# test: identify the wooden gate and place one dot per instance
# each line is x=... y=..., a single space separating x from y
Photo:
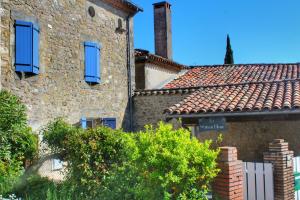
x=258 y=181
x=297 y=177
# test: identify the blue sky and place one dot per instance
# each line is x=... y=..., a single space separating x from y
x=261 y=31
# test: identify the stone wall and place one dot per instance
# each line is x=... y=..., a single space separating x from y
x=60 y=88
x=250 y=137
x=253 y=137
x=150 y=109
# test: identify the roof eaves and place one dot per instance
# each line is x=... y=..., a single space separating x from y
x=132 y=4
x=235 y=114
x=240 y=65
x=144 y=56
x=165 y=91
x=125 y=5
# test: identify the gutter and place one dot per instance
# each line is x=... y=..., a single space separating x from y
x=271 y=113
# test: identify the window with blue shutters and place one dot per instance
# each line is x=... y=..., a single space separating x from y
x=110 y=122
x=27 y=47
x=92 y=62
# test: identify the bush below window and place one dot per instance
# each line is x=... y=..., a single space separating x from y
x=159 y=163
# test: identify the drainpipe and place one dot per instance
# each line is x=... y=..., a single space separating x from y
x=130 y=92
x=130 y=100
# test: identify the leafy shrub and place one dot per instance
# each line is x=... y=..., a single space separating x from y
x=17 y=143
x=90 y=153
x=35 y=187
x=160 y=163
x=168 y=164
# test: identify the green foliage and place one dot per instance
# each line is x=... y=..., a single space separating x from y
x=168 y=164
x=160 y=163
x=90 y=153
x=17 y=143
x=35 y=187
x=57 y=134
x=229 y=53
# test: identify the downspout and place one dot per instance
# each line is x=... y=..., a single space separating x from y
x=130 y=100
x=130 y=92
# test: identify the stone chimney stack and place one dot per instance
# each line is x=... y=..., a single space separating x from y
x=163 y=29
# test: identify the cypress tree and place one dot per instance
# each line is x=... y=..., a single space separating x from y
x=229 y=53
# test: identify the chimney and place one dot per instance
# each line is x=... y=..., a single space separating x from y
x=163 y=29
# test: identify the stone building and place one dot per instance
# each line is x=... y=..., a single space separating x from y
x=250 y=104
x=71 y=59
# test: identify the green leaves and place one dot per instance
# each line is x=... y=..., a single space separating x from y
x=159 y=163
x=174 y=162
x=17 y=143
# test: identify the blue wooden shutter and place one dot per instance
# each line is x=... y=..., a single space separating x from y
x=83 y=122
x=110 y=122
x=36 y=50
x=27 y=47
x=92 y=62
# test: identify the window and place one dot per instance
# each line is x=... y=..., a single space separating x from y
x=110 y=122
x=93 y=123
x=57 y=164
x=90 y=123
x=27 y=47
x=92 y=62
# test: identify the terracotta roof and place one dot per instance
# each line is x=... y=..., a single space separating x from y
x=239 y=89
x=241 y=98
x=235 y=74
x=142 y=56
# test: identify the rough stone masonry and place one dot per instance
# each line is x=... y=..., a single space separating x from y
x=60 y=90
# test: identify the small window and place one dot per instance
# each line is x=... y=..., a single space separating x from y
x=26 y=47
x=92 y=62
x=95 y=122
x=57 y=164
x=110 y=122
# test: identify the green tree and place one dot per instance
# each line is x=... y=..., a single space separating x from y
x=229 y=53
x=17 y=143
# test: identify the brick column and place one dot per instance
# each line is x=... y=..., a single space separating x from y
x=282 y=160
x=228 y=185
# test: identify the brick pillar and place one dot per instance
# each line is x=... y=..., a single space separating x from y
x=282 y=160
x=228 y=185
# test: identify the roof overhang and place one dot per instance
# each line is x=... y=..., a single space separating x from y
x=238 y=114
x=143 y=56
x=125 y=5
